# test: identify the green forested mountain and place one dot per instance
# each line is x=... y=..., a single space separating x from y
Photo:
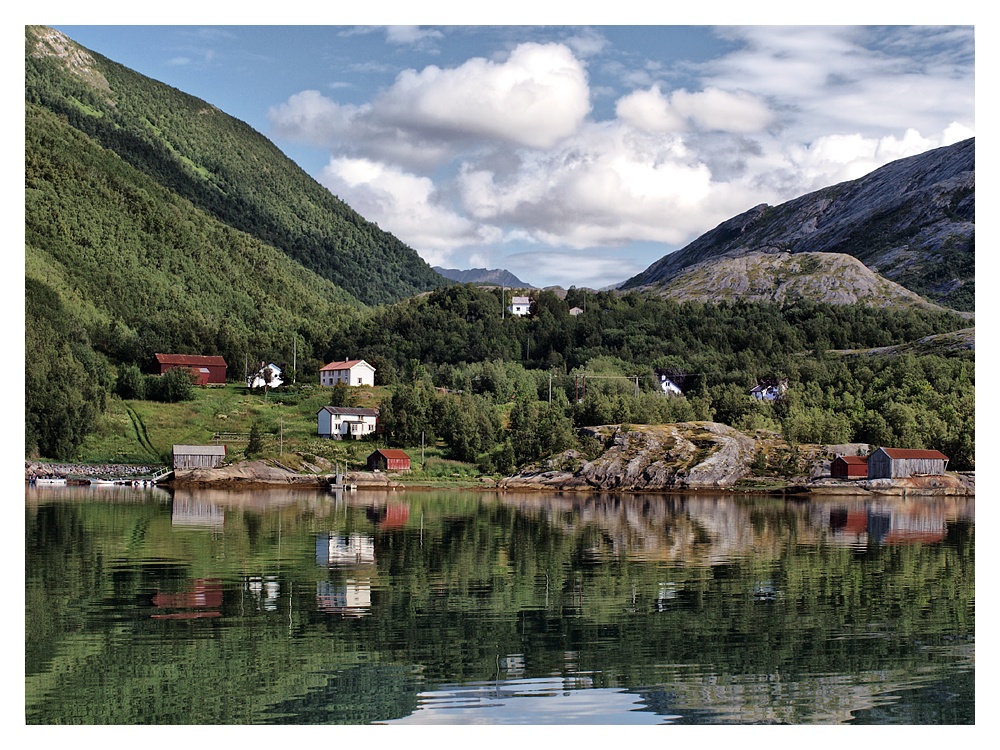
x=220 y=165
x=155 y=222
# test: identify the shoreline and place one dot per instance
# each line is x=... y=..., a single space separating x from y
x=261 y=475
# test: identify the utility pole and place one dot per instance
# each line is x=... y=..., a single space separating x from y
x=550 y=389
x=281 y=437
x=295 y=340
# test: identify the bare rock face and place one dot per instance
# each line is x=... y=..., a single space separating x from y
x=688 y=455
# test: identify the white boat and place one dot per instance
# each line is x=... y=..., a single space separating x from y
x=50 y=480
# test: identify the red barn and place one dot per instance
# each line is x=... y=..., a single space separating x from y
x=389 y=459
x=849 y=467
x=206 y=369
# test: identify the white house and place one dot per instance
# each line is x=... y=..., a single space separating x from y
x=769 y=391
x=520 y=305
x=353 y=372
x=669 y=387
x=268 y=375
x=338 y=422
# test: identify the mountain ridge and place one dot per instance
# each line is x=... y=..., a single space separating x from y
x=912 y=221
x=493 y=276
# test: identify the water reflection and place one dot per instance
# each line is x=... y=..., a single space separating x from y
x=300 y=606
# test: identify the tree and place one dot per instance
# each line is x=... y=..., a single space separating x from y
x=255 y=446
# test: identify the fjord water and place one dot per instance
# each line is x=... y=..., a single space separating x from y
x=145 y=606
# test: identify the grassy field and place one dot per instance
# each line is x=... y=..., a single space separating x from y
x=140 y=432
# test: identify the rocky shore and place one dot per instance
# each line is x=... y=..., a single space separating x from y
x=682 y=457
x=89 y=471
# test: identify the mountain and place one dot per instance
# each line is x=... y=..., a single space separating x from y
x=156 y=223
x=493 y=277
x=911 y=221
x=220 y=165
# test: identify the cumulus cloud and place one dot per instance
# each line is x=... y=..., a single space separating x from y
x=406 y=205
x=711 y=109
x=534 y=98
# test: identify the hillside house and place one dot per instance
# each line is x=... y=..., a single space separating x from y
x=849 y=467
x=520 y=306
x=338 y=422
x=206 y=369
x=769 y=391
x=389 y=459
x=352 y=372
x=269 y=375
x=898 y=463
x=669 y=387
x=574 y=311
x=198 y=456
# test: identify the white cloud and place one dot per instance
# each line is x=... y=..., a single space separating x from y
x=411 y=35
x=711 y=109
x=406 y=205
x=534 y=98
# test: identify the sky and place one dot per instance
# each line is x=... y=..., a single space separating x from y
x=571 y=155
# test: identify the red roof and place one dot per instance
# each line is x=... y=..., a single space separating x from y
x=190 y=360
x=393 y=453
x=347 y=364
x=913 y=453
x=856 y=460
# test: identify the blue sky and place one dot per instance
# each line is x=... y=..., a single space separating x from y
x=570 y=155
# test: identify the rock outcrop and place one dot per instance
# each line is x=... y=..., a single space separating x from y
x=688 y=455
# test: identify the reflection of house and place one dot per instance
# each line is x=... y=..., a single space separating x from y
x=332 y=549
x=203 y=600
x=352 y=372
x=339 y=421
x=893 y=463
x=849 y=467
x=196 y=514
x=268 y=375
x=389 y=459
x=206 y=369
x=520 y=305
x=351 y=597
x=198 y=456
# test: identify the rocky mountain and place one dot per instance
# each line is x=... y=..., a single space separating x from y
x=834 y=278
x=911 y=221
x=492 y=276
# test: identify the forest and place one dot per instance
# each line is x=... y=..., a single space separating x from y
x=500 y=390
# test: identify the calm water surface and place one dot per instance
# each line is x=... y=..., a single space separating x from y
x=293 y=607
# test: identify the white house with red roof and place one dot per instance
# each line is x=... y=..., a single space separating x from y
x=353 y=372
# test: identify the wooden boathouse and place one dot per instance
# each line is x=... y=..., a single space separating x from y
x=898 y=463
x=389 y=459
x=198 y=456
x=849 y=467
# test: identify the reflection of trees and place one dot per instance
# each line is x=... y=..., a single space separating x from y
x=719 y=602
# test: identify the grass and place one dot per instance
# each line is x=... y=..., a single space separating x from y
x=142 y=432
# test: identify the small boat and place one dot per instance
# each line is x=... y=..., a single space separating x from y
x=50 y=481
x=103 y=482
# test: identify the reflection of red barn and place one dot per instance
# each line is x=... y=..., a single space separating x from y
x=205 y=369
x=389 y=459
x=849 y=467
x=396 y=516
x=203 y=600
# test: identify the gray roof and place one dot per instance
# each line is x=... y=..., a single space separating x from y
x=349 y=411
x=199 y=450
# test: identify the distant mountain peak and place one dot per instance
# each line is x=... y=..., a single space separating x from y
x=495 y=276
